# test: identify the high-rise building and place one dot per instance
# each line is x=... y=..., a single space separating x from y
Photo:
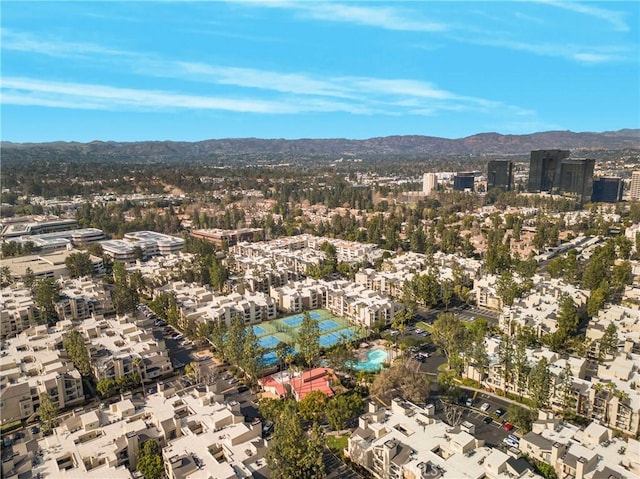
x=464 y=181
x=607 y=190
x=576 y=178
x=544 y=168
x=429 y=183
x=634 y=190
x=500 y=175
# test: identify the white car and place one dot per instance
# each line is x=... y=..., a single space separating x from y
x=511 y=443
x=485 y=407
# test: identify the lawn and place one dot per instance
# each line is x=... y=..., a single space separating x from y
x=423 y=325
x=337 y=443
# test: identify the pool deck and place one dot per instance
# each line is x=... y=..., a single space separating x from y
x=372 y=346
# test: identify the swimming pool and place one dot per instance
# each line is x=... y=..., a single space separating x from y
x=374 y=361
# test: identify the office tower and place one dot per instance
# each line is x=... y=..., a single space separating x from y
x=576 y=178
x=634 y=190
x=464 y=181
x=429 y=183
x=544 y=168
x=607 y=190
x=500 y=175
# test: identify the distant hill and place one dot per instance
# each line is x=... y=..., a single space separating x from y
x=388 y=146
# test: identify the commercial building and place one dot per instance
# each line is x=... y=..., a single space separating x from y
x=607 y=190
x=429 y=183
x=463 y=181
x=34 y=225
x=544 y=168
x=229 y=237
x=144 y=243
x=49 y=265
x=634 y=189
x=576 y=178
x=500 y=175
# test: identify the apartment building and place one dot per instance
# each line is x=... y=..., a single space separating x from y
x=82 y=298
x=118 y=347
x=32 y=364
x=17 y=310
x=589 y=453
x=198 y=434
x=405 y=442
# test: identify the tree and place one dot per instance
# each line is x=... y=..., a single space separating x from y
x=567 y=395
x=341 y=408
x=79 y=264
x=106 y=387
x=540 y=384
x=292 y=454
x=507 y=288
x=520 y=417
x=252 y=361
x=48 y=412
x=312 y=406
x=29 y=278
x=449 y=334
x=5 y=276
x=597 y=299
x=218 y=331
x=608 y=342
x=505 y=360
x=568 y=317
x=193 y=371
x=47 y=292
x=521 y=368
x=73 y=344
x=234 y=344
x=309 y=339
x=125 y=296
x=403 y=378
x=150 y=460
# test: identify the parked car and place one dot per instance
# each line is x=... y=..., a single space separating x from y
x=242 y=389
x=469 y=402
x=508 y=426
x=513 y=437
x=487 y=420
x=510 y=442
x=499 y=411
x=485 y=407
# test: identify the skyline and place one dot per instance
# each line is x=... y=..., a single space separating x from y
x=83 y=71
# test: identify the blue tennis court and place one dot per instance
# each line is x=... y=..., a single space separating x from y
x=270 y=358
x=268 y=342
x=259 y=331
x=327 y=325
x=329 y=339
x=293 y=321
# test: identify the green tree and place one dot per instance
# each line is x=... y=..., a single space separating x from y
x=47 y=293
x=567 y=393
x=5 y=276
x=150 y=460
x=309 y=339
x=194 y=371
x=312 y=406
x=73 y=344
x=597 y=300
x=292 y=454
x=568 y=318
x=521 y=368
x=252 y=362
x=540 y=384
x=450 y=335
x=608 y=342
x=520 y=417
x=106 y=387
x=234 y=343
x=505 y=360
x=218 y=332
x=342 y=408
x=48 y=412
x=125 y=296
x=79 y=264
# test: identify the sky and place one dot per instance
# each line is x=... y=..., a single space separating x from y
x=190 y=71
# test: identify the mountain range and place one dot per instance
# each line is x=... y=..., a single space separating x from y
x=388 y=146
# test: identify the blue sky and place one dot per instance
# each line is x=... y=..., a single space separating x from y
x=123 y=71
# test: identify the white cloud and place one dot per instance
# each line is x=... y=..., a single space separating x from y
x=616 y=19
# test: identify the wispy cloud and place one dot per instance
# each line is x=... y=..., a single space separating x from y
x=568 y=51
x=612 y=17
x=22 y=42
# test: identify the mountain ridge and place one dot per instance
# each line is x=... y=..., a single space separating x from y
x=488 y=143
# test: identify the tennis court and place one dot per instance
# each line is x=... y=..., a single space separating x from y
x=330 y=339
x=332 y=331
x=268 y=342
